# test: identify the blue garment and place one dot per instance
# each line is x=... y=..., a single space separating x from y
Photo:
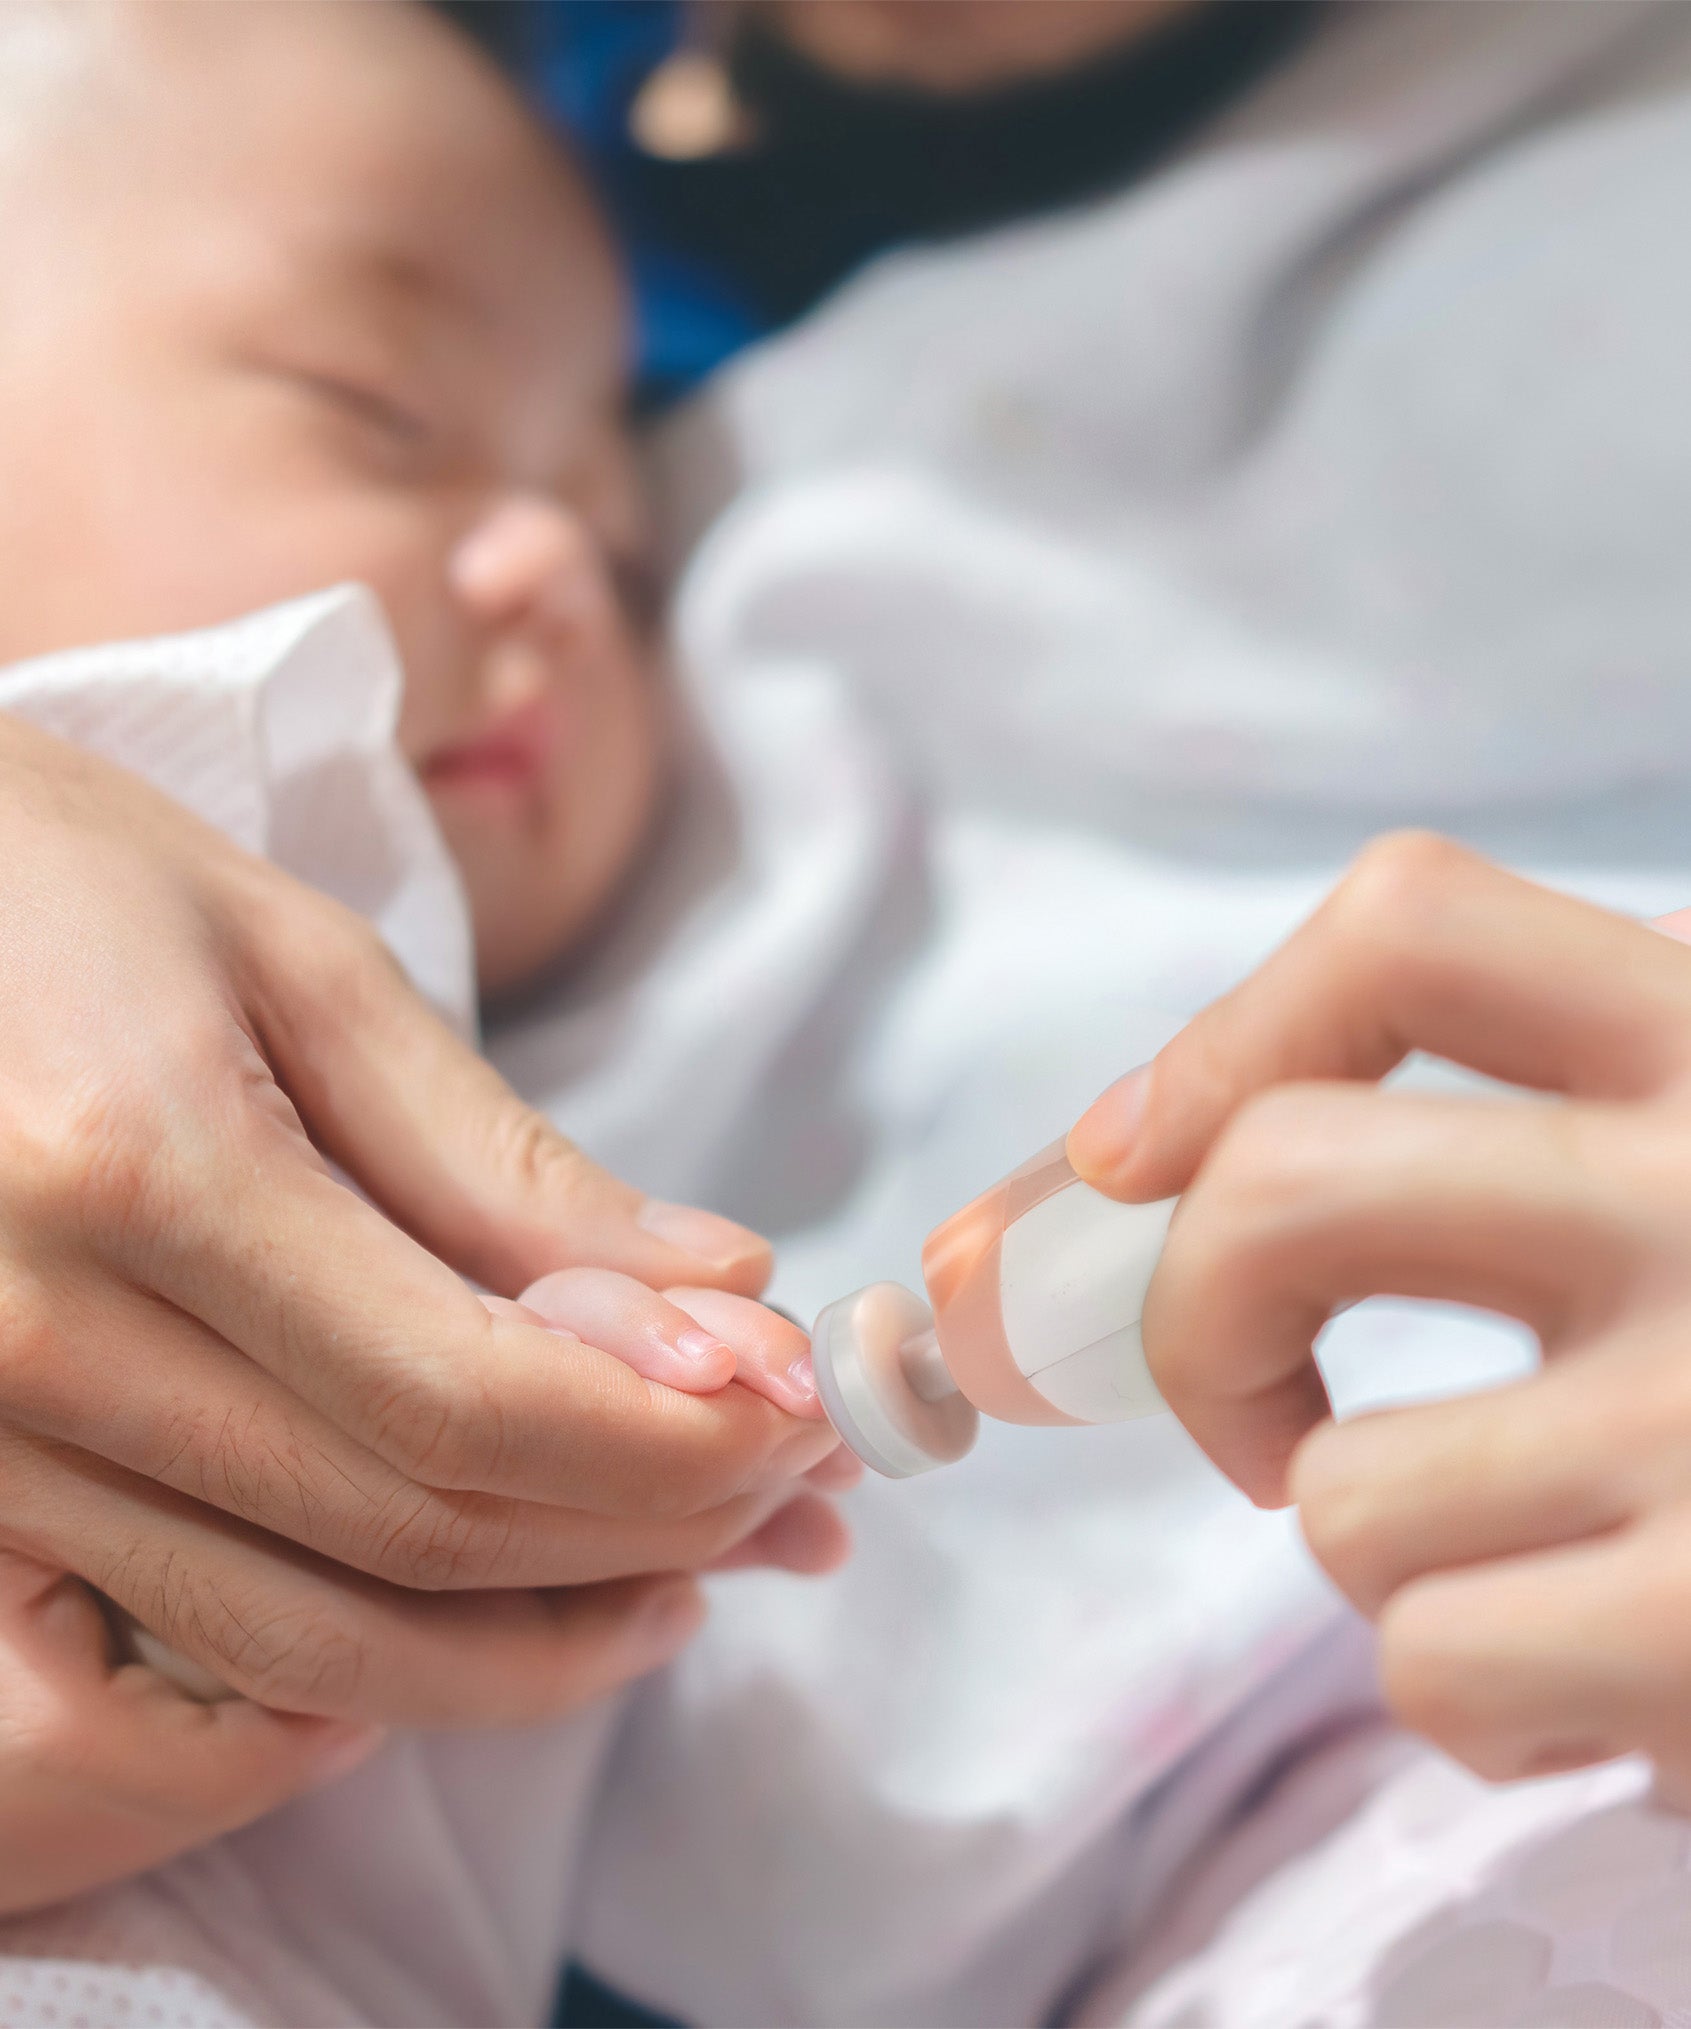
x=585 y=62
x=732 y=245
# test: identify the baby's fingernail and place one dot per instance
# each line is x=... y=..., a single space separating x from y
x=1101 y=1141
x=703 y=1354
x=716 y=1240
x=800 y=1380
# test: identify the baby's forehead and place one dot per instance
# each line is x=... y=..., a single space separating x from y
x=311 y=112
x=369 y=148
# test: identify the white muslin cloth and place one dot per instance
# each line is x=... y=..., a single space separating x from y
x=279 y=731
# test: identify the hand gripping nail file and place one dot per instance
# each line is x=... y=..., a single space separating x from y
x=1036 y=1290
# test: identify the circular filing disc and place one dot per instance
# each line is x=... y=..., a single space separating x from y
x=867 y=1393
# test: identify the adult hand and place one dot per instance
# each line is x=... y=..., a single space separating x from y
x=105 y=1769
x=1527 y=1551
x=269 y=1419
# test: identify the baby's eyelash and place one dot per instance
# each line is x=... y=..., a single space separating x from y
x=370 y=405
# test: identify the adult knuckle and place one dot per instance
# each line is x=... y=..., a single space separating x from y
x=295 y=1658
x=96 y=1162
x=1403 y=872
x=432 y=1543
x=1430 y=1681
x=1392 y=908
x=1267 y=1151
x=1339 y=1514
x=295 y=1655
x=540 y=1163
x=32 y=1336
x=253 y=1461
x=301 y=1660
x=440 y=1428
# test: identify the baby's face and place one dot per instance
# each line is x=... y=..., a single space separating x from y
x=296 y=295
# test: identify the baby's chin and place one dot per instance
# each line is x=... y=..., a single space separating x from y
x=531 y=898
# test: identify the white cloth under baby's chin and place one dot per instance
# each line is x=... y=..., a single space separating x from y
x=278 y=730
x=431 y=1885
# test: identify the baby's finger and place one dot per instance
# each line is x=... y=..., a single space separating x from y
x=1550 y=1661
x=1318 y=1195
x=772 y=1353
x=1422 y=946
x=635 y=1325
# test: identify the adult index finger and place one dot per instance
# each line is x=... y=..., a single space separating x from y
x=438 y=1138
x=1422 y=947
x=1319 y=1195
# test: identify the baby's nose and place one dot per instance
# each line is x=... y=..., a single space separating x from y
x=526 y=559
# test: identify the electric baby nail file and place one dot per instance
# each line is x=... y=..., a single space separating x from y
x=1036 y=1288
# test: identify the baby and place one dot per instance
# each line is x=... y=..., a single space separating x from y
x=308 y=299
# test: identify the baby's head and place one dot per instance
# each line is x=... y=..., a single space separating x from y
x=296 y=293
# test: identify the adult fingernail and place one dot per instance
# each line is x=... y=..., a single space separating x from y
x=1100 y=1143
x=704 y=1234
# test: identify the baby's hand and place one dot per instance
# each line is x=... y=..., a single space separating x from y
x=105 y=1768
x=701 y=1341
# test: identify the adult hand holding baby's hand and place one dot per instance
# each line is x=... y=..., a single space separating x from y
x=1527 y=1551
x=279 y=1431
x=106 y=1769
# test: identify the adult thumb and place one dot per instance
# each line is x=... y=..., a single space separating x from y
x=444 y=1146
